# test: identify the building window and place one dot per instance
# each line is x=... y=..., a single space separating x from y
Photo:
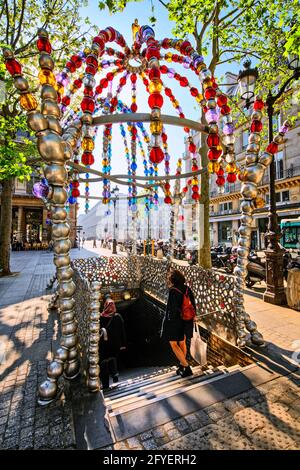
x=245 y=136
x=225 y=231
x=285 y=196
x=225 y=207
x=279 y=165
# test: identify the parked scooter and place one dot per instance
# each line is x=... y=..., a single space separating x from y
x=257 y=268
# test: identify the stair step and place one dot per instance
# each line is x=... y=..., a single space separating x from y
x=181 y=389
x=154 y=391
x=128 y=386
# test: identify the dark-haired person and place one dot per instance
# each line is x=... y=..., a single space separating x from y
x=111 y=342
x=175 y=329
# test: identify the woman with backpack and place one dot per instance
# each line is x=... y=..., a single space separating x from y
x=179 y=319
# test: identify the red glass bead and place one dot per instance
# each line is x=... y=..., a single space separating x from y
x=112 y=33
x=185 y=189
x=231 y=177
x=213 y=140
x=114 y=101
x=220 y=172
x=77 y=61
x=214 y=153
x=110 y=51
x=152 y=52
x=192 y=147
x=183 y=81
x=155 y=100
x=110 y=76
x=184 y=45
x=66 y=100
x=99 y=89
x=186 y=129
x=13 y=67
x=154 y=73
x=164 y=69
x=91 y=60
x=134 y=131
x=209 y=93
x=165 y=43
x=195 y=196
x=103 y=82
x=71 y=66
x=258 y=104
x=220 y=181
x=75 y=184
x=272 y=148
x=256 y=126
x=167 y=186
x=164 y=137
x=195 y=188
x=90 y=69
x=221 y=100
x=122 y=81
x=100 y=43
x=133 y=78
x=107 y=131
x=194 y=167
x=156 y=155
x=133 y=107
x=167 y=200
x=88 y=105
x=104 y=34
x=225 y=109
x=58 y=98
x=181 y=115
x=87 y=158
x=194 y=91
x=88 y=92
x=168 y=92
x=78 y=83
x=75 y=192
x=43 y=45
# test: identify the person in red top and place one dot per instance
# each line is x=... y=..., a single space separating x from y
x=175 y=329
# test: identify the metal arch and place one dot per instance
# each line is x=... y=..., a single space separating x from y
x=146 y=117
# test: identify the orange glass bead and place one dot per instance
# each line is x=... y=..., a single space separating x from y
x=47 y=77
x=88 y=144
x=155 y=87
x=156 y=127
x=28 y=102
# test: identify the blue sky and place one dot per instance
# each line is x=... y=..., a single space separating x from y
x=122 y=22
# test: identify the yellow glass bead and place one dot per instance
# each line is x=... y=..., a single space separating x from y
x=155 y=87
x=87 y=51
x=134 y=99
x=104 y=162
x=179 y=164
x=72 y=88
x=231 y=168
x=210 y=167
x=195 y=180
x=207 y=84
x=104 y=201
x=156 y=127
x=147 y=139
x=168 y=57
x=47 y=77
x=81 y=76
x=175 y=103
x=88 y=144
x=178 y=44
x=199 y=97
x=28 y=102
x=201 y=67
x=109 y=137
x=259 y=202
x=126 y=150
x=59 y=88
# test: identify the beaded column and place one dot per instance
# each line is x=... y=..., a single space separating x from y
x=93 y=380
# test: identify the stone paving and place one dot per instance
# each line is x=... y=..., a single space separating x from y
x=263 y=418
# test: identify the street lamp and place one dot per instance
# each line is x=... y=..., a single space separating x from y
x=115 y=192
x=274 y=293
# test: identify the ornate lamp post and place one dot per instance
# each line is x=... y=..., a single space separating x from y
x=115 y=192
x=275 y=293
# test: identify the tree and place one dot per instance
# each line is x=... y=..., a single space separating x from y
x=19 y=23
x=228 y=31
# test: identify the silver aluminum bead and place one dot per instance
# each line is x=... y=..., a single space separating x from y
x=61 y=354
x=247 y=207
x=228 y=139
x=55 y=174
x=48 y=92
x=244 y=231
x=255 y=173
x=257 y=339
x=251 y=326
x=87 y=118
x=229 y=158
x=7 y=53
x=244 y=242
x=73 y=354
x=72 y=369
x=50 y=108
x=68 y=341
x=42 y=32
x=89 y=81
x=213 y=129
x=240 y=272
x=59 y=195
x=155 y=114
x=62 y=246
x=153 y=62
x=48 y=390
x=66 y=305
x=94 y=371
x=249 y=190
x=66 y=288
x=279 y=139
x=37 y=122
x=46 y=61
x=242 y=252
x=61 y=260
x=253 y=148
x=21 y=84
x=266 y=158
x=251 y=158
x=61 y=230
x=55 y=369
x=227 y=119
x=51 y=147
x=211 y=104
x=68 y=328
x=54 y=125
x=59 y=214
x=242 y=262
x=254 y=138
x=93 y=384
x=256 y=115
x=246 y=219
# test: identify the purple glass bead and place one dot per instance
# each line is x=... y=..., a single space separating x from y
x=134 y=208
x=105 y=64
x=228 y=128
x=81 y=54
x=284 y=129
x=198 y=60
x=167 y=157
x=171 y=73
x=212 y=115
x=40 y=190
x=186 y=62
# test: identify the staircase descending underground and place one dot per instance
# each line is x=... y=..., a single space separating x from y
x=136 y=405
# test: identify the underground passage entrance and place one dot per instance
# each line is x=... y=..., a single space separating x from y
x=146 y=352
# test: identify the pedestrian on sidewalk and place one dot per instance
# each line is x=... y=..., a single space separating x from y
x=176 y=330
x=94 y=243
x=112 y=341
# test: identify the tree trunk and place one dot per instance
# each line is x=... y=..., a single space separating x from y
x=5 y=225
x=204 y=258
